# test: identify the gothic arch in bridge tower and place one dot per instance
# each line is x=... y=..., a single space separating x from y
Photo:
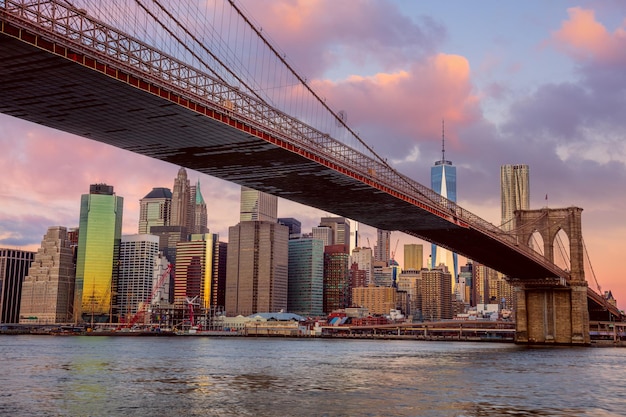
x=553 y=315
x=547 y=223
x=536 y=242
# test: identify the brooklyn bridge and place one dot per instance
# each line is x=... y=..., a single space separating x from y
x=80 y=70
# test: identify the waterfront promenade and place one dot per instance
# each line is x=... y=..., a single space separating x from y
x=602 y=333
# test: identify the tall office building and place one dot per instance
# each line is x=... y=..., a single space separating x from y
x=410 y=281
x=196 y=211
x=169 y=236
x=382 y=251
x=337 y=291
x=514 y=192
x=14 y=264
x=341 y=231
x=257 y=206
x=188 y=206
x=197 y=269
x=413 y=256
x=218 y=284
x=48 y=289
x=257 y=260
x=466 y=289
x=155 y=209
x=436 y=294
x=363 y=258
x=257 y=268
x=354 y=236
x=443 y=181
x=180 y=199
x=323 y=233
x=135 y=273
x=185 y=214
x=358 y=277
x=482 y=276
x=384 y=275
x=98 y=250
x=306 y=277
x=294 y=225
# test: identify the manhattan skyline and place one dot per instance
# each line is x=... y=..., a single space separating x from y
x=541 y=84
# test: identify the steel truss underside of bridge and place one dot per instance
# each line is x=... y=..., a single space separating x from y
x=53 y=90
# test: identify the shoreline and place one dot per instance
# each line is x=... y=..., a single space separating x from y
x=223 y=334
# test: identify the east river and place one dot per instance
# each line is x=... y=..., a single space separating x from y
x=202 y=376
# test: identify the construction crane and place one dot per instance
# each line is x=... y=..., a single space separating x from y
x=393 y=252
x=191 y=302
x=141 y=309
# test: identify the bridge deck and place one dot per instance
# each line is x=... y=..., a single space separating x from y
x=55 y=91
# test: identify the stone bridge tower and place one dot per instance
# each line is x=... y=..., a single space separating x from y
x=548 y=314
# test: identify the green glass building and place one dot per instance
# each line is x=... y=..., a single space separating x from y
x=99 y=236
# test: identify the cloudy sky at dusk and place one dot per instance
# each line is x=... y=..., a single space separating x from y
x=533 y=82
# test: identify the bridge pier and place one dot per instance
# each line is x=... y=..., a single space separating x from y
x=553 y=314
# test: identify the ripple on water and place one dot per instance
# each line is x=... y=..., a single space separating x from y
x=295 y=377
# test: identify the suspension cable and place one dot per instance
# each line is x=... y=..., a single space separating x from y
x=204 y=48
x=593 y=274
x=339 y=119
x=564 y=254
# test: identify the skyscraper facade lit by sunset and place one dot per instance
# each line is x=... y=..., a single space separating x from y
x=98 y=250
x=443 y=181
x=413 y=256
x=514 y=192
x=155 y=209
x=198 y=270
x=257 y=259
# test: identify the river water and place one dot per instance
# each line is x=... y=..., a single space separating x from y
x=201 y=376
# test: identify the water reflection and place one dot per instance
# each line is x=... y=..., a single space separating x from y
x=285 y=377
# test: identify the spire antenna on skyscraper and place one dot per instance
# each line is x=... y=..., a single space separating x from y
x=443 y=141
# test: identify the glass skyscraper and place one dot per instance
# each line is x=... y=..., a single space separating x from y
x=197 y=269
x=100 y=232
x=443 y=181
x=306 y=277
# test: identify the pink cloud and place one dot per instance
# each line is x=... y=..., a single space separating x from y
x=410 y=102
x=584 y=38
x=322 y=34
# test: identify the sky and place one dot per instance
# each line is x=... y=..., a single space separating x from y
x=534 y=82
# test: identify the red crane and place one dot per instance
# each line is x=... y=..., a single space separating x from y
x=141 y=310
x=393 y=253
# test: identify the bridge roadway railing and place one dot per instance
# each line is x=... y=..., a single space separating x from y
x=55 y=21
